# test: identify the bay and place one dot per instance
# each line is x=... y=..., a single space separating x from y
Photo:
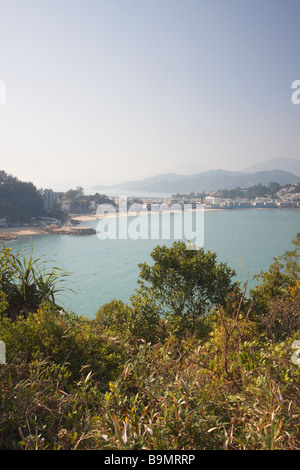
x=103 y=270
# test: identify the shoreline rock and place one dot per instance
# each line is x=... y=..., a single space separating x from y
x=66 y=230
x=8 y=237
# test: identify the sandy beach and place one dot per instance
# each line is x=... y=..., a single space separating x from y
x=18 y=232
x=10 y=233
x=87 y=217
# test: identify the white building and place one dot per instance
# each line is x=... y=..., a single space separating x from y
x=212 y=200
x=49 y=199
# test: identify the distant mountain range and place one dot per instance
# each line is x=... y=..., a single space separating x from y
x=207 y=181
x=278 y=163
x=191 y=168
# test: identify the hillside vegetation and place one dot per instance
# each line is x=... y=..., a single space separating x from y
x=19 y=200
x=190 y=363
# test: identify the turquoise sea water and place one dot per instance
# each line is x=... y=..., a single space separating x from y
x=102 y=270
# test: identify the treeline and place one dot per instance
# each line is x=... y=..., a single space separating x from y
x=80 y=203
x=259 y=190
x=19 y=201
x=190 y=363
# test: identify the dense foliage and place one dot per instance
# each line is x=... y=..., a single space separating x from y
x=80 y=203
x=156 y=373
x=258 y=190
x=19 y=201
x=251 y=192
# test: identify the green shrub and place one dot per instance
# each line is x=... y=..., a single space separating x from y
x=65 y=338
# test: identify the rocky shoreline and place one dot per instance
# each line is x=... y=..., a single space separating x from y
x=14 y=233
x=7 y=236
x=66 y=230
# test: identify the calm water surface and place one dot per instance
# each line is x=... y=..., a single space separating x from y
x=102 y=270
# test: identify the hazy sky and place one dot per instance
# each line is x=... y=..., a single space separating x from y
x=99 y=91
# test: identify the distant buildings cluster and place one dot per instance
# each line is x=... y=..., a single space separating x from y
x=59 y=207
x=53 y=199
x=285 y=197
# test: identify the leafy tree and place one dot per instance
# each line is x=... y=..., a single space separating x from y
x=74 y=193
x=277 y=296
x=297 y=188
x=272 y=283
x=281 y=276
x=19 y=201
x=57 y=212
x=115 y=314
x=185 y=283
x=101 y=199
x=274 y=188
x=252 y=192
x=140 y=320
x=80 y=202
x=292 y=259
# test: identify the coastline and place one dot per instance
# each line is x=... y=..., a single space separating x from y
x=13 y=233
x=89 y=217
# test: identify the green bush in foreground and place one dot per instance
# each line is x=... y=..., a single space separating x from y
x=226 y=381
